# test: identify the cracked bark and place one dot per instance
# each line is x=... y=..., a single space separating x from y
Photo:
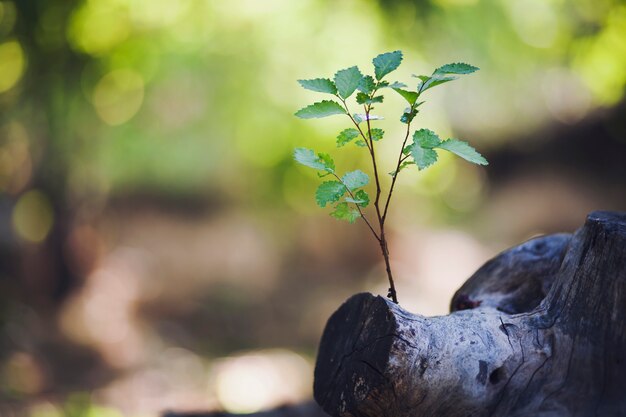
x=537 y=331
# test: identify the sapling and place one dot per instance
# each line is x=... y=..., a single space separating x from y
x=346 y=193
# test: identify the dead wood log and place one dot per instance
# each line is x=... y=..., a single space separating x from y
x=508 y=351
x=516 y=280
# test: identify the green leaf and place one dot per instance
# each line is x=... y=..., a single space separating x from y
x=456 y=68
x=377 y=134
x=347 y=81
x=441 y=75
x=421 y=149
x=320 y=109
x=362 y=98
x=397 y=84
x=423 y=157
x=344 y=212
x=355 y=179
x=464 y=150
x=435 y=80
x=408 y=115
x=322 y=85
x=329 y=192
x=410 y=96
x=346 y=136
x=402 y=166
x=426 y=138
x=307 y=157
x=327 y=160
x=367 y=84
x=360 y=197
x=360 y=143
x=386 y=63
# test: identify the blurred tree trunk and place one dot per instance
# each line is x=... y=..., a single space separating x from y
x=43 y=270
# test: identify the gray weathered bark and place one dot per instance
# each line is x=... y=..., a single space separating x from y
x=538 y=331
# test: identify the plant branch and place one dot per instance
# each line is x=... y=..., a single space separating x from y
x=373 y=155
x=345 y=106
x=401 y=158
x=358 y=208
x=381 y=220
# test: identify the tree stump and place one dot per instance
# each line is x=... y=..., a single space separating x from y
x=538 y=331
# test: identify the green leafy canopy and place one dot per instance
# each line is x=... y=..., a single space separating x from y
x=346 y=192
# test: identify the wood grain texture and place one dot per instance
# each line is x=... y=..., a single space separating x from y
x=542 y=333
x=516 y=280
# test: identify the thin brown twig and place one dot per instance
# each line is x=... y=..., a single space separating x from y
x=401 y=159
x=345 y=106
x=358 y=208
x=381 y=220
x=401 y=156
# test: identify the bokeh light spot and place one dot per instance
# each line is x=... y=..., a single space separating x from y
x=601 y=61
x=118 y=96
x=255 y=381
x=97 y=411
x=535 y=22
x=22 y=374
x=98 y=26
x=45 y=410
x=33 y=216
x=11 y=65
x=15 y=158
x=453 y=3
x=144 y=12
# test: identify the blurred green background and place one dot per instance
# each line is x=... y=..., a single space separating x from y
x=160 y=250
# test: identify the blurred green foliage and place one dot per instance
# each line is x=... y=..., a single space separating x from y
x=112 y=94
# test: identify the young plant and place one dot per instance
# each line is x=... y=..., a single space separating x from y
x=345 y=193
